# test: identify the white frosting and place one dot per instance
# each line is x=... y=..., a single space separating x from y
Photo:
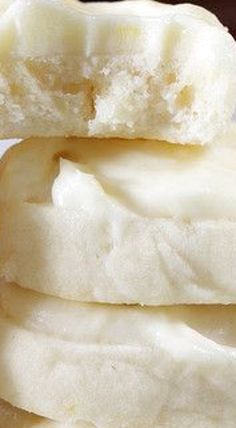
x=122 y=26
x=149 y=180
x=139 y=178
x=145 y=8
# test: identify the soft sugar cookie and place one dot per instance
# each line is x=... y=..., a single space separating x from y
x=130 y=69
x=111 y=366
x=120 y=222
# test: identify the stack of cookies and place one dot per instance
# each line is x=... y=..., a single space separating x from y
x=117 y=216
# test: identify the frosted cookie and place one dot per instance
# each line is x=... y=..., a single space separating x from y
x=129 y=222
x=112 y=366
x=130 y=69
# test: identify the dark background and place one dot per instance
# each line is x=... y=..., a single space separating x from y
x=224 y=9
